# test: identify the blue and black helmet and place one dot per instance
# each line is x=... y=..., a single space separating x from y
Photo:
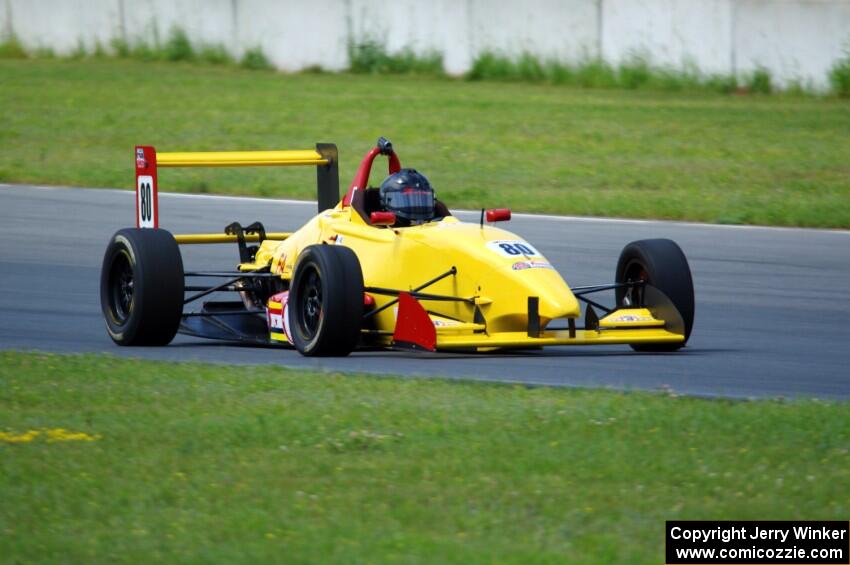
x=409 y=195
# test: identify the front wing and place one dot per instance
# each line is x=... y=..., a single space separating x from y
x=558 y=337
x=658 y=323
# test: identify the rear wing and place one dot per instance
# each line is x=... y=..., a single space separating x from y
x=324 y=158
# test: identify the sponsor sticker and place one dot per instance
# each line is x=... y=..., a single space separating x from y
x=275 y=320
x=141 y=162
x=522 y=265
x=277 y=315
x=631 y=318
x=286 y=328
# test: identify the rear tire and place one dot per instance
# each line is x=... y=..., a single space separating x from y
x=141 y=287
x=662 y=264
x=325 y=304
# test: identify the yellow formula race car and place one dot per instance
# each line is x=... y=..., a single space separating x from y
x=385 y=267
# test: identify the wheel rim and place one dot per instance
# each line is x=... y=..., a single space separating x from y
x=121 y=287
x=635 y=272
x=311 y=312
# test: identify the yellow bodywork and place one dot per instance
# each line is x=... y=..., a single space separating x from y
x=404 y=258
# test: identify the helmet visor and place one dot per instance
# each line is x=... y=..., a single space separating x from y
x=412 y=203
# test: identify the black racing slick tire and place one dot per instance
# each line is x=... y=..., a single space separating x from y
x=325 y=305
x=662 y=264
x=141 y=287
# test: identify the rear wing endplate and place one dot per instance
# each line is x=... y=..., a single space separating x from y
x=324 y=158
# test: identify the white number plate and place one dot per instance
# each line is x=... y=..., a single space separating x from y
x=513 y=248
x=145 y=201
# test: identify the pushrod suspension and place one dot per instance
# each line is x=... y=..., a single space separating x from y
x=247 y=274
x=450 y=272
x=221 y=286
x=579 y=290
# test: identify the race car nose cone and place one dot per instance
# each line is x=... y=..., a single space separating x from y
x=563 y=306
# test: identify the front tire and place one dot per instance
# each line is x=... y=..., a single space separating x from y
x=662 y=264
x=325 y=304
x=141 y=287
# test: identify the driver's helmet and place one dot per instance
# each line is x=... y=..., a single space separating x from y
x=409 y=195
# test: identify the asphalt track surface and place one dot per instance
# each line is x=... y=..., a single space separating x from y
x=773 y=305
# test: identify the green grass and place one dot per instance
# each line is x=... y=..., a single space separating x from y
x=779 y=160
x=760 y=82
x=11 y=48
x=839 y=76
x=177 y=47
x=372 y=57
x=255 y=59
x=593 y=73
x=234 y=464
x=636 y=72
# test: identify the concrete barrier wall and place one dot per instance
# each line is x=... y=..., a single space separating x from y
x=794 y=39
x=670 y=32
x=797 y=40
